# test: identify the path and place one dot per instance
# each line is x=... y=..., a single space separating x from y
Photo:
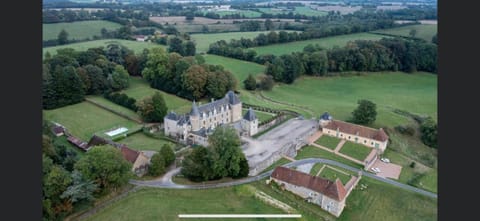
x=166 y=180
x=339 y=145
x=113 y=111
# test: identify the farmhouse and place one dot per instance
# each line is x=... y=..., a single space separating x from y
x=58 y=130
x=329 y=195
x=78 y=143
x=196 y=126
x=367 y=136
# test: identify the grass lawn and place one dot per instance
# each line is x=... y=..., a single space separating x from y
x=104 y=102
x=380 y=201
x=425 y=32
x=139 y=89
x=262 y=116
x=416 y=93
x=84 y=119
x=136 y=46
x=166 y=204
x=315 y=152
x=78 y=30
x=240 y=69
x=140 y=141
x=356 y=151
x=328 y=42
x=316 y=168
x=203 y=41
x=332 y=175
x=328 y=141
x=308 y=11
x=246 y=13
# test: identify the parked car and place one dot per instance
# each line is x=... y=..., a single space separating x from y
x=375 y=169
x=385 y=160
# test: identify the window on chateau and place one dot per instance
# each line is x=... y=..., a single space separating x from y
x=348 y=137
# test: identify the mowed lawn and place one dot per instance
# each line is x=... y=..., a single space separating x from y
x=135 y=46
x=316 y=168
x=327 y=42
x=240 y=69
x=356 y=151
x=315 y=152
x=380 y=201
x=84 y=119
x=328 y=141
x=203 y=41
x=415 y=93
x=261 y=116
x=166 y=204
x=109 y=104
x=331 y=174
x=140 y=141
x=425 y=32
x=140 y=89
x=78 y=30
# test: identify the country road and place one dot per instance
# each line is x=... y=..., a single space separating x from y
x=166 y=180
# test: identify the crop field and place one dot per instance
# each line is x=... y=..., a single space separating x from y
x=175 y=20
x=139 y=89
x=424 y=31
x=415 y=93
x=78 y=30
x=246 y=13
x=328 y=42
x=135 y=46
x=85 y=119
x=203 y=41
x=140 y=141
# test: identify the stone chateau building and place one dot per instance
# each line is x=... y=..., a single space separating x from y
x=196 y=126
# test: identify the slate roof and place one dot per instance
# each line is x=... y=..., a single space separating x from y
x=250 y=115
x=232 y=97
x=172 y=116
x=355 y=129
x=203 y=132
x=194 y=111
x=326 y=116
x=334 y=190
x=206 y=108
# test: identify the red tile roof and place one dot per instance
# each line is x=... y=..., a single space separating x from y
x=129 y=154
x=334 y=190
x=362 y=131
x=77 y=142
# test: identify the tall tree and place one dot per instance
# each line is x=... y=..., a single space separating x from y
x=176 y=45
x=80 y=190
x=429 y=132
x=225 y=146
x=365 y=113
x=106 y=166
x=97 y=79
x=157 y=166
x=153 y=109
x=197 y=165
x=119 y=78
x=62 y=37
x=194 y=81
x=168 y=154
x=267 y=83
x=250 y=83
x=190 y=49
x=413 y=33
x=155 y=66
x=269 y=24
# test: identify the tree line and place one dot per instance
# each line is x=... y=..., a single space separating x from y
x=69 y=75
x=187 y=77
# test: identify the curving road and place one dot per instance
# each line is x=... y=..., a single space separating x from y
x=166 y=180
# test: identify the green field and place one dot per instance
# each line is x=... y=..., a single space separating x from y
x=425 y=32
x=261 y=116
x=330 y=174
x=328 y=142
x=240 y=69
x=135 y=46
x=78 y=30
x=166 y=204
x=416 y=93
x=84 y=119
x=203 y=41
x=279 y=162
x=109 y=104
x=315 y=152
x=327 y=42
x=357 y=151
x=140 y=141
x=316 y=167
x=246 y=13
x=139 y=89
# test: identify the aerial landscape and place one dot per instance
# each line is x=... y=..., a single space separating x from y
x=239 y=110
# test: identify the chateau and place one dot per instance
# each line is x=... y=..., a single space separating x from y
x=196 y=126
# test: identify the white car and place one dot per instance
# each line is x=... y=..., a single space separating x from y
x=375 y=169
x=385 y=160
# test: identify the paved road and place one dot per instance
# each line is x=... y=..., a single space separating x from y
x=166 y=180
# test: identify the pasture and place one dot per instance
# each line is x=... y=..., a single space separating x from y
x=303 y=10
x=415 y=93
x=424 y=31
x=109 y=104
x=166 y=204
x=246 y=13
x=203 y=41
x=139 y=89
x=135 y=46
x=239 y=68
x=78 y=30
x=327 y=42
x=85 y=119
x=140 y=141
